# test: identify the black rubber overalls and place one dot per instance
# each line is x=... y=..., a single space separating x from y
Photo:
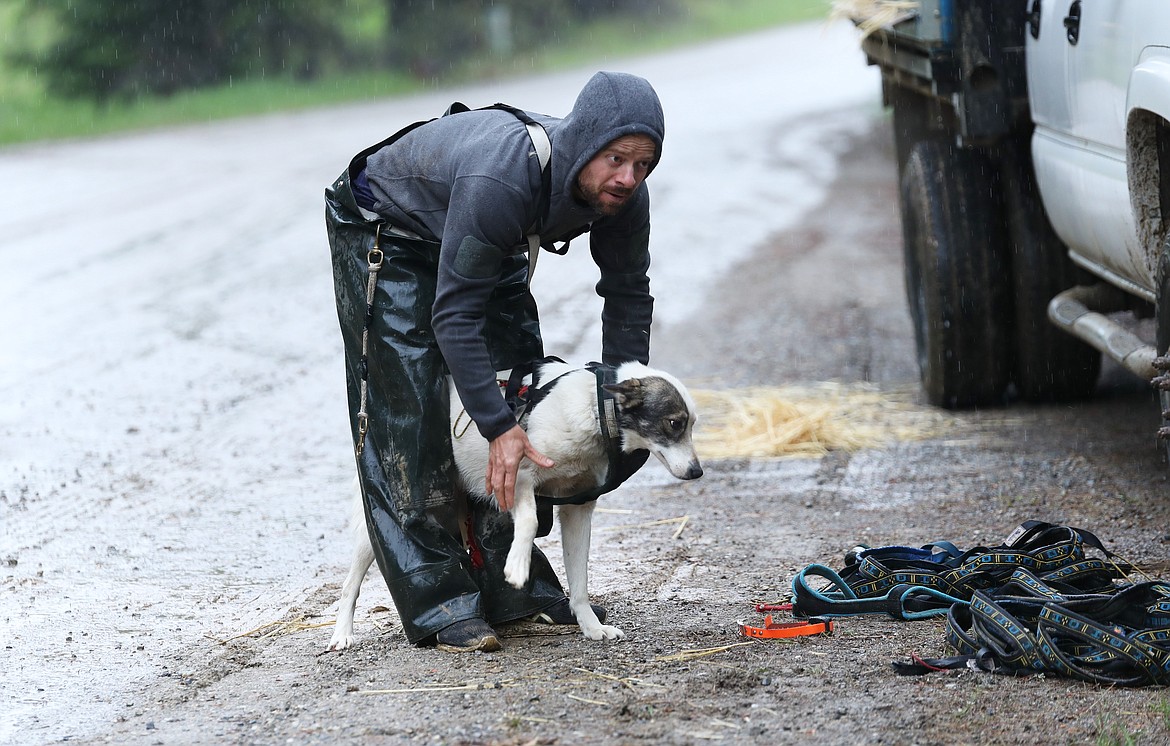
x=406 y=466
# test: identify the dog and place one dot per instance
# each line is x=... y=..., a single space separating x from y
x=654 y=412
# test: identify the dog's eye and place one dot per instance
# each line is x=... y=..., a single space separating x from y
x=675 y=425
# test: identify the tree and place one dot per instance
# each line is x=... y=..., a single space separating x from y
x=116 y=49
x=430 y=37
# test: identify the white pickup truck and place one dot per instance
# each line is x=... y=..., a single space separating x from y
x=1033 y=146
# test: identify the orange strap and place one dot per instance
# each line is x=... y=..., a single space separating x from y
x=812 y=626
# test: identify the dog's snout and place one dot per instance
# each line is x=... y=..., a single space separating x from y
x=694 y=471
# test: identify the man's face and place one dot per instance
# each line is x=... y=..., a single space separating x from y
x=610 y=177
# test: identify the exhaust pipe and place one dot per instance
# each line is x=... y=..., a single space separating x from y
x=1080 y=311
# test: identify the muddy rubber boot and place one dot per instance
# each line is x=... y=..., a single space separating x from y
x=468 y=636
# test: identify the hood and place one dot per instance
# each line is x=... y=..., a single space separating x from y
x=610 y=106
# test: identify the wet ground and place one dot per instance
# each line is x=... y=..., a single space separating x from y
x=172 y=559
x=684 y=675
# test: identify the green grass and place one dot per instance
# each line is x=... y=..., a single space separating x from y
x=28 y=114
x=38 y=117
x=1162 y=707
x=1112 y=733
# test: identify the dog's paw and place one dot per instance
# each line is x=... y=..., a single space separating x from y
x=340 y=640
x=602 y=632
x=516 y=569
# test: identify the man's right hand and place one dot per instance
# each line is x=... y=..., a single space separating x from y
x=504 y=456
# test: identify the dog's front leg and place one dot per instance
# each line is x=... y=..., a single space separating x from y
x=576 y=525
x=524 y=523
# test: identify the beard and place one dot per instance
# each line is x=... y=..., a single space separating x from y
x=606 y=202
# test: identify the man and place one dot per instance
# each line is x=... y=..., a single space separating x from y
x=429 y=232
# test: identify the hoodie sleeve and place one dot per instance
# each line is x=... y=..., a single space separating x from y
x=484 y=216
x=621 y=249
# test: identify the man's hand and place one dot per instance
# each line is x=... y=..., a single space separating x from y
x=504 y=456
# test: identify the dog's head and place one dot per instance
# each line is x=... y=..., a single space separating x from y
x=656 y=413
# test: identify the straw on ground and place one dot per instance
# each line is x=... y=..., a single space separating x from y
x=769 y=422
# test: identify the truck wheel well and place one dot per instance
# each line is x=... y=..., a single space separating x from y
x=1148 y=165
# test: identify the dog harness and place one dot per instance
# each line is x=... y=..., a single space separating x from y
x=523 y=399
x=1035 y=604
x=916 y=583
x=1115 y=638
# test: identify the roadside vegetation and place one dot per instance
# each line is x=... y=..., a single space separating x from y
x=59 y=80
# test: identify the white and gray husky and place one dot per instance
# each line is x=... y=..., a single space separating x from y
x=654 y=412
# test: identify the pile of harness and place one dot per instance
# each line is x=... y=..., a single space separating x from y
x=1034 y=604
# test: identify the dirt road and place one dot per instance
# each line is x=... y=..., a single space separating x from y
x=820 y=300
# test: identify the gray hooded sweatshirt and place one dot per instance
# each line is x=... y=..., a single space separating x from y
x=472 y=181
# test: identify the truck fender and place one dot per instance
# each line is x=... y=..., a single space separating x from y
x=1149 y=83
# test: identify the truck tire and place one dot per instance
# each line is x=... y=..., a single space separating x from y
x=915 y=118
x=1051 y=364
x=956 y=275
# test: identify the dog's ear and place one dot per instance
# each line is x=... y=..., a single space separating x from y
x=628 y=394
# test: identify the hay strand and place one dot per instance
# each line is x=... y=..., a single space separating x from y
x=625 y=681
x=276 y=629
x=690 y=655
x=681 y=520
x=469 y=687
x=588 y=701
